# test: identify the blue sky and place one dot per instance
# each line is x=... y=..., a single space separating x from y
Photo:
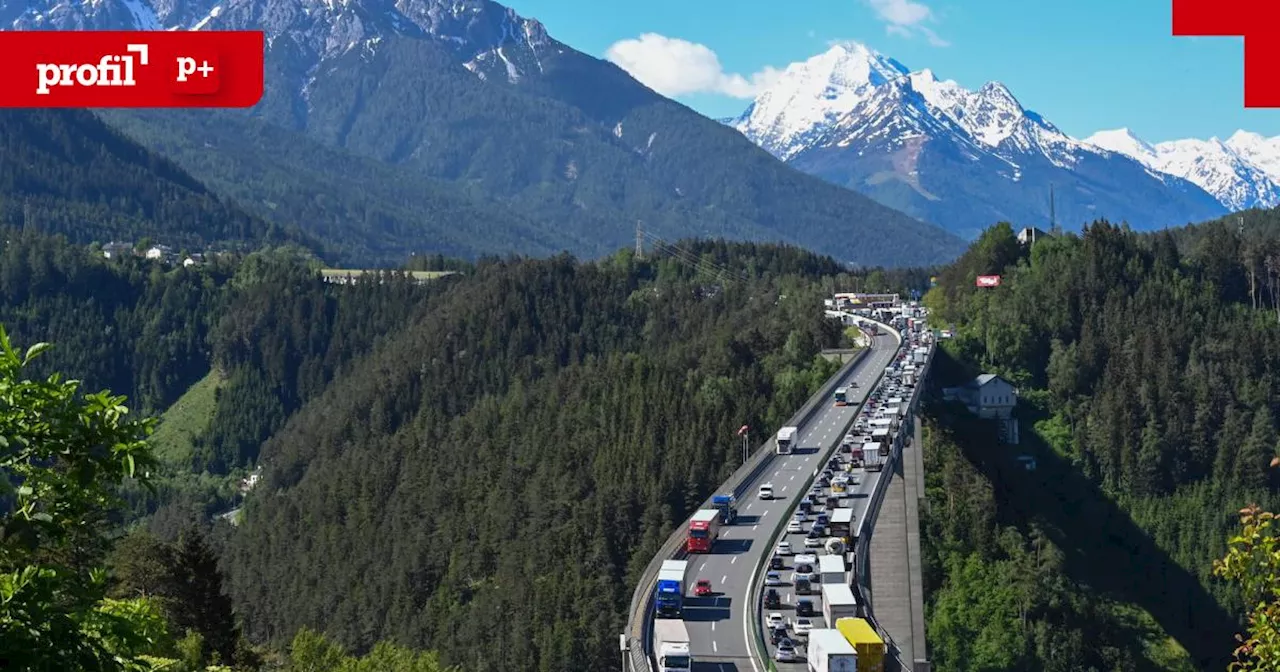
x=1086 y=65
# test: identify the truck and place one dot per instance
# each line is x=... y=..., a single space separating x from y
x=865 y=641
x=842 y=396
x=829 y=651
x=883 y=438
x=872 y=460
x=671 y=646
x=787 y=440
x=704 y=527
x=669 y=592
x=727 y=505
x=831 y=570
x=838 y=602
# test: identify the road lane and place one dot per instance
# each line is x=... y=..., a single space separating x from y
x=718 y=627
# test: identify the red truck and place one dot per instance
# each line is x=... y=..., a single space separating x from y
x=704 y=527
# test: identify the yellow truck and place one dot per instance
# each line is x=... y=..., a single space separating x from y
x=865 y=640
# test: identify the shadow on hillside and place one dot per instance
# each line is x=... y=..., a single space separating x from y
x=1104 y=548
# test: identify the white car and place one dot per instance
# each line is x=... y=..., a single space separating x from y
x=774 y=620
x=807 y=559
x=813 y=542
x=794 y=527
x=800 y=517
x=784 y=548
x=773 y=579
x=766 y=491
x=802 y=626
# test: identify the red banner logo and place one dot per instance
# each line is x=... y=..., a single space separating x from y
x=1257 y=21
x=132 y=68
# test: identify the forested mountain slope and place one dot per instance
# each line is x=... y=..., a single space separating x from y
x=367 y=212
x=65 y=171
x=521 y=450
x=1149 y=397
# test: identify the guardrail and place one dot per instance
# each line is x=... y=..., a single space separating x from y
x=637 y=634
x=753 y=597
x=862 y=551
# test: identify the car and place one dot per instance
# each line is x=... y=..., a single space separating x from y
x=804 y=572
x=766 y=491
x=800 y=517
x=702 y=588
x=804 y=608
x=812 y=542
x=804 y=586
x=775 y=562
x=771 y=599
x=775 y=620
x=794 y=527
x=786 y=652
x=776 y=635
x=807 y=559
x=822 y=519
x=784 y=548
x=802 y=626
x=773 y=579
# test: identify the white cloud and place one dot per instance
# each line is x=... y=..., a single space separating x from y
x=905 y=18
x=676 y=67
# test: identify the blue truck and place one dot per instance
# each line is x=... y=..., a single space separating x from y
x=669 y=593
x=727 y=505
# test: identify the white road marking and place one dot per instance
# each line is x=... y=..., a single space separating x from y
x=713 y=626
x=715 y=647
x=724 y=579
x=733 y=559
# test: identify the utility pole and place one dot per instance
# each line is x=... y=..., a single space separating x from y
x=639 y=240
x=1053 y=215
x=745 y=433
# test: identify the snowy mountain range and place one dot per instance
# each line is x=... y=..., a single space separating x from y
x=1242 y=172
x=959 y=158
x=469 y=100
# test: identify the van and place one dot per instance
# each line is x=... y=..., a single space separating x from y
x=766 y=491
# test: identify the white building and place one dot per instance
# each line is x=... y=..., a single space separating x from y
x=987 y=396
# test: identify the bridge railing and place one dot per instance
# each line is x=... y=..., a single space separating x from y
x=862 y=553
x=754 y=606
x=743 y=478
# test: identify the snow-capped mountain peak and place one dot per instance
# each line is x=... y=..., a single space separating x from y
x=813 y=94
x=1223 y=169
x=1123 y=141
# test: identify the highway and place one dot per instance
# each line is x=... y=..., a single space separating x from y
x=719 y=627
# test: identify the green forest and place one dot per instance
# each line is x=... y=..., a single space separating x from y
x=1146 y=372
x=372 y=405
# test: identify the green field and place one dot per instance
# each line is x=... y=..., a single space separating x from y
x=352 y=272
x=186 y=418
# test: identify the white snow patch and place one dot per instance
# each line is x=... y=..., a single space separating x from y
x=213 y=14
x=144 y=18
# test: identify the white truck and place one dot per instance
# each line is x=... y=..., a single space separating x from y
x=671 y=646
x=838 y=602
x=831 y=570
x=829 y=651
x=872 y=460
x=787 y=440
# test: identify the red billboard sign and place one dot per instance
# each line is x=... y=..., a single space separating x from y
x=988 y=281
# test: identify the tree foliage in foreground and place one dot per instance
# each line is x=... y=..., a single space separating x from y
x=62 y=454
x=1253 y=563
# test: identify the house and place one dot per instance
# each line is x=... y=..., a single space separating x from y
x=192 y=260
x=159 y=252
x=1030 y=234
x=987 y=396
x=117 y=250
